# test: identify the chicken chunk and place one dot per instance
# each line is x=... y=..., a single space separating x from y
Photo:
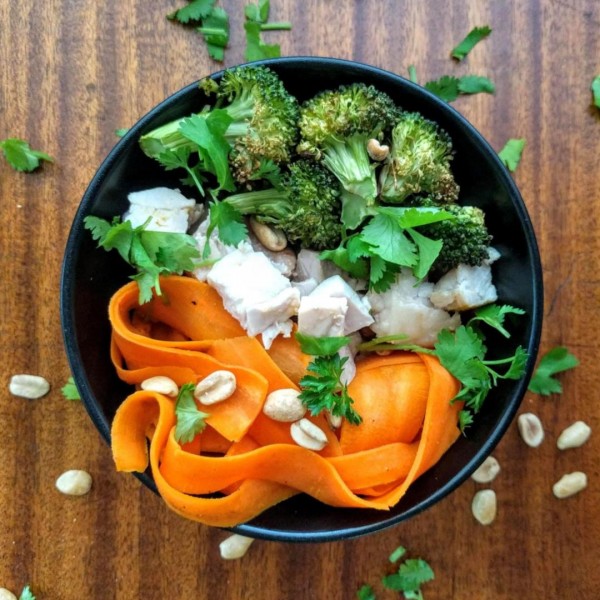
x=168 y=210
x=322 y=316
x=465 y=287
x=405 y=309
x=254 y=292
x=310 y=266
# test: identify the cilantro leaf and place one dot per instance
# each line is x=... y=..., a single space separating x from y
x=70 y=391
x=475 y=84
x=412 y=573
x=427 y=250
x=20 y=155
x=468 y=43
x=494 y=316
x=152 y=253
x=255 y=48
x=196 y=10
x=342 y=257
x=121 y=131
x=555 y=361
x=215 y=29
x=412 y=74
x=595 y=87
x=229 y=222
x=190 y=420
x=510 y=155
x=322 y=389
x=26 y=594
x=258 y=12
x=365 y=593
x=445 y=88
x=386 y=236
x=208 y=133
x=449 y=88
x=321 y=346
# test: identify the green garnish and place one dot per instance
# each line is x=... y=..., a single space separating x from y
x=596 y=91
x=322 y=388
x=190 y=420
x=555 y=361
x=365 y=593
x=70 y=391
x=412 y=574
x=321 y=346
x=494 y=315
x=229 y=223
x=449 y=88
x=260 y=14
x=412 y=74
x=209 y=20
x=20 y=155
x=510 y=155
x=121 y=131
x=397 y=554
x=257 y=17
x=468 y=43
x=26 y=594
x=152 y=253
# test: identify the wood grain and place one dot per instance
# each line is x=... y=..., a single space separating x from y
x=71 y=72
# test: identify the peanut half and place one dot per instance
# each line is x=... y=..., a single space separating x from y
x=284 y=405
x=308 y=435
x=216 y=387
x=28 y=386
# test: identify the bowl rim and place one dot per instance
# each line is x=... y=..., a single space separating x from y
x=76 y=232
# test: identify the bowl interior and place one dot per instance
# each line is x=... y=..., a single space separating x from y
x=90 y=276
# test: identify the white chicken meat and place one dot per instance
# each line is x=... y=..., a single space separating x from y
x=405 y=309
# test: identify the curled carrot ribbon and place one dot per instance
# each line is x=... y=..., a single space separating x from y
x=243 y=462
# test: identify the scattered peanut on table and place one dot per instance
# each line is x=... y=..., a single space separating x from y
x=235 y=546
x=28 y=386
x=74 y=482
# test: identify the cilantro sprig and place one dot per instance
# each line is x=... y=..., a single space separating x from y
x=595 y=87
x=388 y=242
x=20 y=156
x=190 y=419
x=411 y=575
x=152 y=253
x=257 y=17
x=322 y=388
x=476 y=35
x=26 y=594
x=510 y=155
x=555 y=361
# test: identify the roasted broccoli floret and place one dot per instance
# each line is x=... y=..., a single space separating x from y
x=465 y=237
x=306 y=206
x=419 y=161
x=264 y=126
x=335 y=127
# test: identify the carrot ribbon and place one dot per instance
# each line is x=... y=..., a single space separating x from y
x=243 y=462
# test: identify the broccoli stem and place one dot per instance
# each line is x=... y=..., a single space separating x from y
x=271 y=204
x=163 y=138
x=349 y=162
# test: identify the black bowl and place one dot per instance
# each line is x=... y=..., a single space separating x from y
x=90 y=276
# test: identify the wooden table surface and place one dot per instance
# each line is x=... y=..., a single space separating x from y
x=71 y=72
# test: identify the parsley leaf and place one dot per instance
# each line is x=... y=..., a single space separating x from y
x=152 y=253
x=449 y=88
x=494 y=316
x=366 y=593
x=21 y=156
x=468 y=43
x=229 y=223
x=70 y=391
x=322 y=388
x=321 y=346
x=445 y=88
x=475 y=84
x=412 y=573
x=208 y=133
x=596 y=91
x=26 y=594
x=555 y=361
x=255 y=48
x=510 y=155
x=190 y=420
x=215 y=29
x=196 y=10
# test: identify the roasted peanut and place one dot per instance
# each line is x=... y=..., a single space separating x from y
x=216 y=387
x=284 y=405
x=306 y=434
x=484 y=506
x=235 y=546
x=74 y=483
x=570 y=484
x=161 y=385
x=28 y=386
x=574 y=436
x=531 y=429
x=487 y=471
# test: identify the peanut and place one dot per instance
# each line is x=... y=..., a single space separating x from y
x=28 y=386
x=574 y=436
x=484 y=506
x=570 y=484
x=487 y=471
x=74 y=483
x=271 y=238
x=531 y=429
x=307 y=435
x=284 y=405
x=161 y=385
x=216 y=387
x=235 y=546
